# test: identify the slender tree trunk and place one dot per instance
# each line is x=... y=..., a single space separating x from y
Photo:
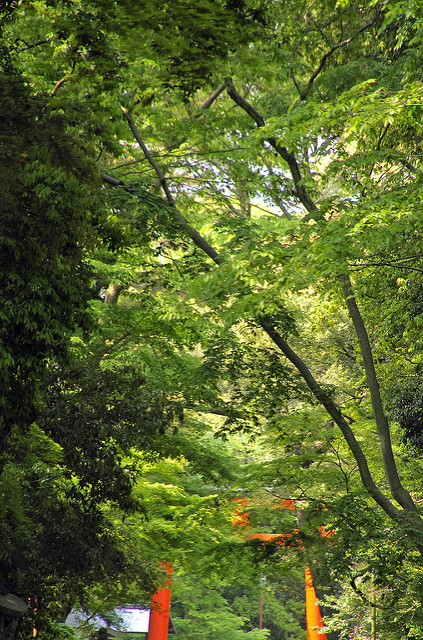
x=398 y=492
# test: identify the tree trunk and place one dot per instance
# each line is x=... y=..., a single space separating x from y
x=113 y=293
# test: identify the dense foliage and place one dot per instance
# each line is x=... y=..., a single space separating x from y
x=211 y=224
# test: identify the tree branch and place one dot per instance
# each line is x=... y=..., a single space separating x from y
x=34 y=44
x=397 y=490
x=304 y=94
x=149 y=157
x=209 y=101
x=299 y=189
x=196 y=237
x=388 y=263
x=338 y=418
x=381 y=137
x=63 y=80
x=116 y=182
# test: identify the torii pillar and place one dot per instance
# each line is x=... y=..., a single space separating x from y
x=160 y=610
x=313 y=616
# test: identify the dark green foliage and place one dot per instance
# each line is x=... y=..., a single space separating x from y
x=192 y=38
x=46 y=204
x=406 y=408
x=60 y=476
x=98 y=416
x=7 y=10
x=57 y=538
x=54 y=543
x=258 y=383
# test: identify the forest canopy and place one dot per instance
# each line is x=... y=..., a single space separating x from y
x=212 y=287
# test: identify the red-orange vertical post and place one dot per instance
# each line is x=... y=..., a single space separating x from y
x=159 y=612
x=313 y=616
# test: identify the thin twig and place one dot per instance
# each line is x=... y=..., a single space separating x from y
x=394 y=265
x=63 y=80
x=34 y=44
x=179 y=155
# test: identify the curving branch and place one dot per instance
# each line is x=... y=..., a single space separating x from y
x=209 y=101
x=340 y=420
x=32 y=45
x=116 y=182
x=63 y=80
x=299 y=189
x=304 y=93
x=195 y=236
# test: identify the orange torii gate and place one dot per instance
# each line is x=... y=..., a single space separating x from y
x=314 y=620
x=160 y=603
x=158 y=625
